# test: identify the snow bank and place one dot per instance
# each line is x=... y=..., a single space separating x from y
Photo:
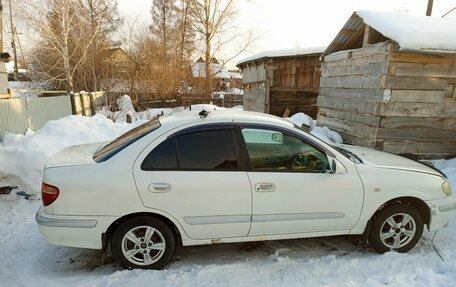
x=300 y=119
x=127 y=112
x=327 y=135
x=416 y=33
x=323 y=133
x=22 y=157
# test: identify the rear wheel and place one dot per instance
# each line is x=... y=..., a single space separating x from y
x=398 y=227
x=143 y=242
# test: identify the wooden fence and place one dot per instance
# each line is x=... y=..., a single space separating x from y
x=148 y=100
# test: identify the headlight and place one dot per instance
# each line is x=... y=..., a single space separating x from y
x=446 y=187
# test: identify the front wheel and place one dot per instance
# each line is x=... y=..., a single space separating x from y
x=143 y=242
x=398 y=227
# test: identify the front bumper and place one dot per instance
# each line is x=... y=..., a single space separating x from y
x=441 y=211
x=73 y=231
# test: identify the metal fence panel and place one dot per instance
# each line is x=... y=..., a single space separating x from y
x=13 y=116
x=41 y=110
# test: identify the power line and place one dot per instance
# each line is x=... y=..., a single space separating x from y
x=448 y=12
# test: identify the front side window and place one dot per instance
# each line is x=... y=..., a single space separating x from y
x=274 y=151
x=202 y=150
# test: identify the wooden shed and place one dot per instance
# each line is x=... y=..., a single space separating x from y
x=276 y=80
x=388 y=82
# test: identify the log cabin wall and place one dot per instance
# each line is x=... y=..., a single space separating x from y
x=399 y=102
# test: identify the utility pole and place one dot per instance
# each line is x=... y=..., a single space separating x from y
x=13 y=43
x=1 y=27
x=428 y=10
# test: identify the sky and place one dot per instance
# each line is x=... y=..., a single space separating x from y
x=288 y=24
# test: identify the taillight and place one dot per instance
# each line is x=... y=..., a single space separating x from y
x=49 y=193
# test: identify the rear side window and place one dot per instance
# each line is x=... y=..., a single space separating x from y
x=163 y=156
x=202 y=150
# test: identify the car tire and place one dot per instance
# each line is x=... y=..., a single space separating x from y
x=398 y=227
x=144 y=243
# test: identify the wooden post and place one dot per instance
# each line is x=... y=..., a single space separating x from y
x=73 y=103
x=92 y=104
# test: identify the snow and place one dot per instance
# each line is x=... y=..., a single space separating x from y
x=448 y=167
x=26 y=259
x=414 y=33
x=127 y=112
x=300 y=119
x=28 y=89
x=323 y=133
x=282 y=53
x=22 y=157
x=327 y=135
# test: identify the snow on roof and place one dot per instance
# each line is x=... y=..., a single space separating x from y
x=10 y=68
x=414 y=33
x=282 y=53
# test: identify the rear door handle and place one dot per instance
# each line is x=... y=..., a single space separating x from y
x=159 y=187
x=265 y=187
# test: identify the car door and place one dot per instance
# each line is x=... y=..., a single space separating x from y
x=196 y=177
x=294 y=188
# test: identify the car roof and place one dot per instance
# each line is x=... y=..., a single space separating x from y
x=225 y=115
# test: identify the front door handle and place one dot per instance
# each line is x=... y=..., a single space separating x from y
x=265 y=187
x=159 y=187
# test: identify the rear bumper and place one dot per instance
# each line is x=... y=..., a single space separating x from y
x=441 y=211
x=73 y=231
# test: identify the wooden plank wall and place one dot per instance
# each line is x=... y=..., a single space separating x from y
x=255 y=98
x=420 y=115
x=294 y=84
x=394 y=101
x=350 y=92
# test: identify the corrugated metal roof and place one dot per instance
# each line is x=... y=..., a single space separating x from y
x=350 y=30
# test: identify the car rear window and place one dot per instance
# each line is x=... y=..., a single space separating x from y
x=125 y=140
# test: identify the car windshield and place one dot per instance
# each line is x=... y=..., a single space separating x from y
x=348 y=154
x=125 y=140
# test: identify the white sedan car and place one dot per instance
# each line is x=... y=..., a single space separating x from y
x=229 y=176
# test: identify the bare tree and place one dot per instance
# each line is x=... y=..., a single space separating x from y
x=102 y=17
x=214 y=22
x=73 y=35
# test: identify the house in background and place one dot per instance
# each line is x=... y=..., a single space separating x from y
x=282 y=79
x=224 y=79
x=388 y=82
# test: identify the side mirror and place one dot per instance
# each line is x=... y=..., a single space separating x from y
x=336 y=167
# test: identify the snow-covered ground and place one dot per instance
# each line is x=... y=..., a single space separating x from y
x=26 y=259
